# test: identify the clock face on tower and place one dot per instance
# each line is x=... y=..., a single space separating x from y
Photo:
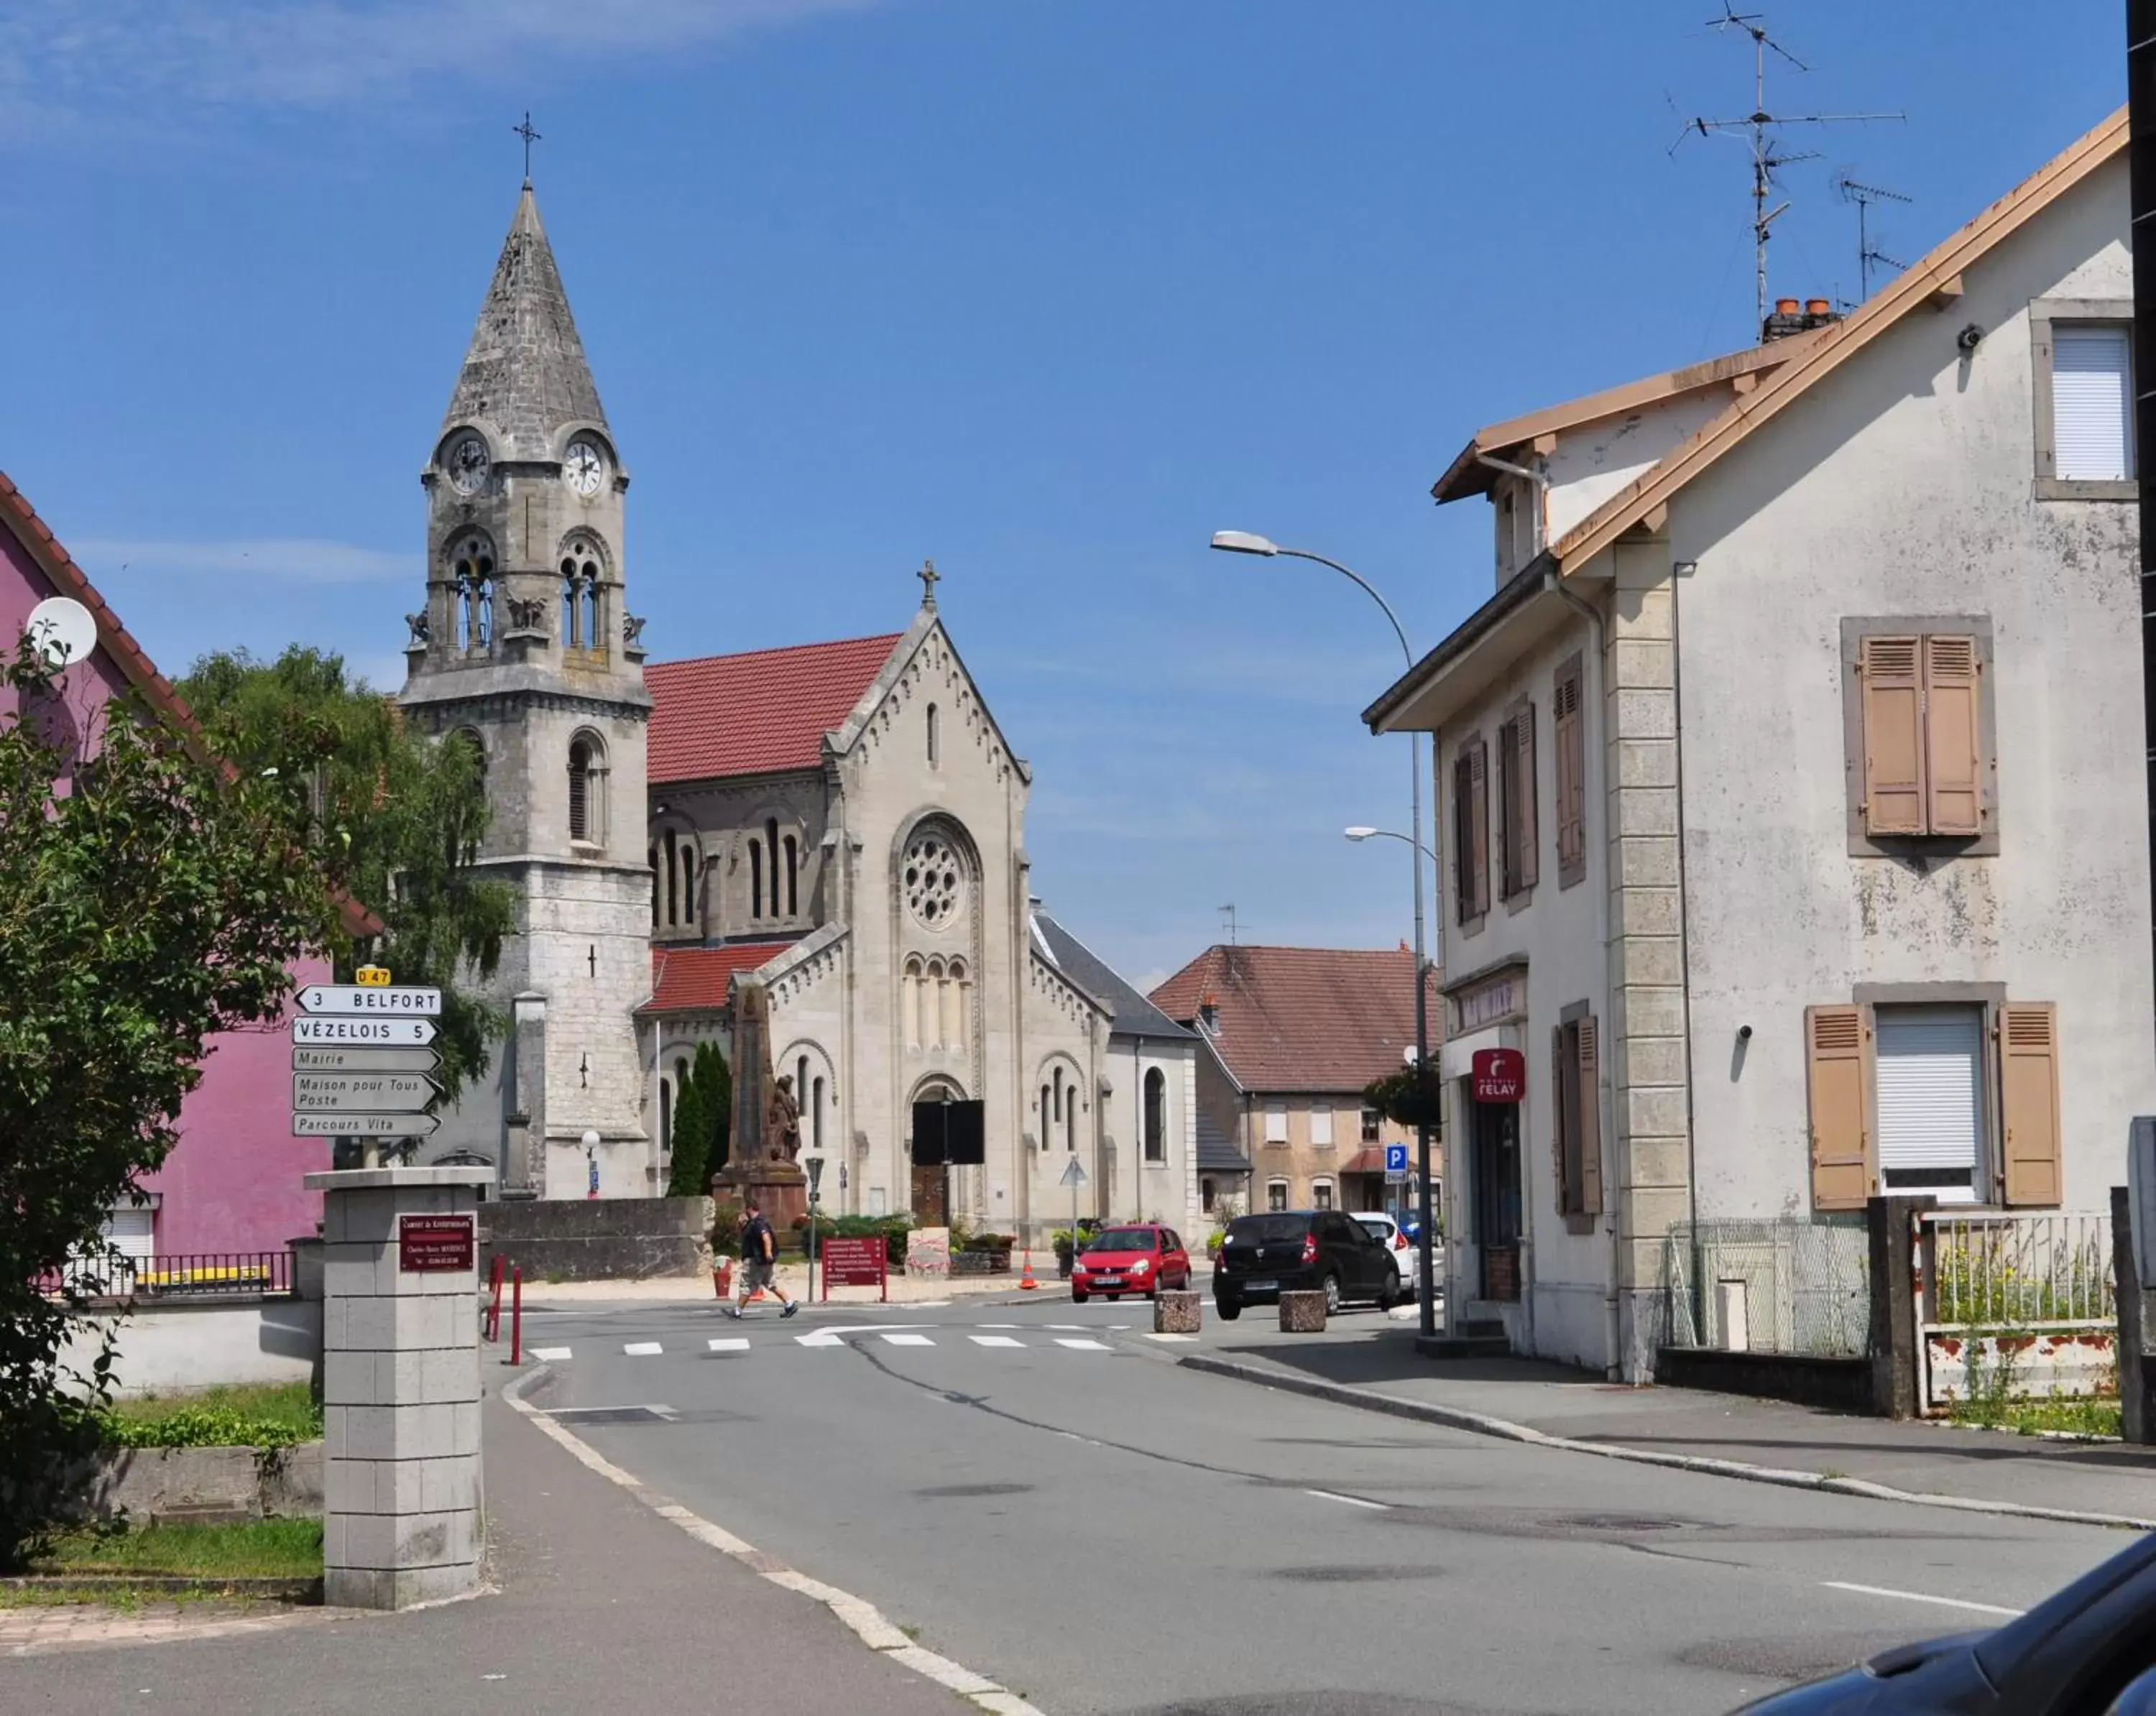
x=467 y=463
x=584 y=468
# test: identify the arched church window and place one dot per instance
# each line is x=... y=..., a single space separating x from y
x=816 y=1118
x=1156 y=1115
x=1070 y=1120
x=771 y=846
x=673 y=882
x=594 y=634
x=653 y=853
x=1057 y=1115
x=934 y=876
x=471 y=569
x=665 y=1115
x=570 y=636
x=580 y=789
x=688 y=868
x=580 y=597
x=793 y=878
x=935 y=757
x=754 y=879
x=958 y=1015
x=485 y=609
x=909 y=1001
x=1043 y=1117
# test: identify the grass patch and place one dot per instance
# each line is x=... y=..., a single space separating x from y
x=256 y=1414
x=2081 y=1415
x=259 y=1548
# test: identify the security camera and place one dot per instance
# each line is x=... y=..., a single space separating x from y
x=1744 y=1033
x=1970 y=338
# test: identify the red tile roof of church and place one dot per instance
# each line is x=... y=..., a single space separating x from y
x=1302 y=1019
x=692 y=980
x=764 y=712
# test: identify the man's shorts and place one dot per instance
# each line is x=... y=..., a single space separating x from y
x=756 y=1273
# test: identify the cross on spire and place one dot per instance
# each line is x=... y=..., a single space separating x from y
x=930 y=577
x=530 y=137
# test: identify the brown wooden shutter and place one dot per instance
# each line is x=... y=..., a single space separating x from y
x=1953 y=746
x=1508 y=820
x=1893 y=736
x=1562 y=1154
x=1571 y=780
x=1463 y=839
x=2028 y=1101
x=1478 y=818
x=1587 y=1114
x=1527 y=858
x=1838 y=1056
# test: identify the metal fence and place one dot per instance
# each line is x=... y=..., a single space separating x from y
x=1778 y=1285
x=2017 y=1270
x=198 y=1275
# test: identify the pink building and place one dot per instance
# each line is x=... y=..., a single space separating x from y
x=235 y=1181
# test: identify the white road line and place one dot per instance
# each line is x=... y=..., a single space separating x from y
x=1083 y=1346
x=728 y=1343
x=551 y=1355
x=819 y=1340
x=1881 y=1591
x=1151 y=1337
x=907 y=1340
x=994 y=1340
x=1119 y=1328
x=643 y=1350
x=1069 y=1327
x=999 y=1325
x=1352 y=1500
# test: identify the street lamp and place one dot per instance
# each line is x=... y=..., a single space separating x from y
x=1249 y=542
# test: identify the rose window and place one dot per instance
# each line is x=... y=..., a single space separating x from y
x=934 y=881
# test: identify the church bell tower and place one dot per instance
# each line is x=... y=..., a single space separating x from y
x=526 y=648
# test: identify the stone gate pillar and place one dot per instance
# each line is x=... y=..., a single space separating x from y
x=400 y=1385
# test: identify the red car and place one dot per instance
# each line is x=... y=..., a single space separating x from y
x=1140 y=1259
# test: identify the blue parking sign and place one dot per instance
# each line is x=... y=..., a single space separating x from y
x=1396 y=1159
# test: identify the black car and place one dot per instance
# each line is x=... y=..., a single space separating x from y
x=1288 y=1251
x=2089 y=1649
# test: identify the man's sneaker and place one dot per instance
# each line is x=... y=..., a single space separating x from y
x=792 y=1306
x=734 y=1312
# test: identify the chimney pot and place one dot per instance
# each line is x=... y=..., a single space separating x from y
x=1817 y=306
x=1785 y=306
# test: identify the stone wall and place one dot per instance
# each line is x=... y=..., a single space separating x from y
x=598 y=1239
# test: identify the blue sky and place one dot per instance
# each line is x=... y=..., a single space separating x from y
x=1047 y=290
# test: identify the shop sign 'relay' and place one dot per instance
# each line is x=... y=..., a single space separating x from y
x=1501 y=1076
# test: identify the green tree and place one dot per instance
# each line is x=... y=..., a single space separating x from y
x=703 y=1124
x=392 y=815
x=148 y=898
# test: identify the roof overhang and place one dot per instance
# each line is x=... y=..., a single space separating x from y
x=1461 y=670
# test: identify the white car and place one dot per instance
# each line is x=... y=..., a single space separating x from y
x=1407 y=1258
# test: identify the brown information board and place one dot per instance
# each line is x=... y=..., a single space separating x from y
x=429 y=1243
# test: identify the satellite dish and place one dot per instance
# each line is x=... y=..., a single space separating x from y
x=62 y=630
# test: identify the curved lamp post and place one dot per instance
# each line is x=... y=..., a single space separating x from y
x=1247 y=543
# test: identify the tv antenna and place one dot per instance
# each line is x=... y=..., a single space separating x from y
x=1864 y=196
x=1768 y=157
x=1228 y=921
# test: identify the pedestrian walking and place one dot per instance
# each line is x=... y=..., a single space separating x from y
x=759 y=1264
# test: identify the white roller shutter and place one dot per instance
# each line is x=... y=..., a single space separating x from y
x=1931 y=1104
x=2091 y=403
x=133 y=1232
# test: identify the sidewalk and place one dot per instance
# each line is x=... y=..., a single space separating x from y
x=600 y=1601
x=794 y=1278
x=1925 y=1458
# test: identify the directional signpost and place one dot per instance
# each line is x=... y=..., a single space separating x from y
x=360 y=1060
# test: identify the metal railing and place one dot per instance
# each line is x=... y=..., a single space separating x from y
x=2017 y=1270
x=1798 y=1285
x=195 y=1275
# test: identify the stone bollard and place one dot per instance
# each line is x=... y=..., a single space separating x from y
x=1302 y=1313
x=1179 y=1314
x=400 y=1385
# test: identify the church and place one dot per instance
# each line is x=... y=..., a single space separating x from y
x=839 y=827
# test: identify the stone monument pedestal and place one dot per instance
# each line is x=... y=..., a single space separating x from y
x=780 y=1189
x=400 y=1385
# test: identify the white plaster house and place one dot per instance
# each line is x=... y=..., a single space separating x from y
x=1794 y=814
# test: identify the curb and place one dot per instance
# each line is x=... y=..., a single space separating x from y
x=1482 y=1424
x=307 y=1591
x=867 y=1622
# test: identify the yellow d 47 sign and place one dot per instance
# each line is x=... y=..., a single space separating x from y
x=371 y=977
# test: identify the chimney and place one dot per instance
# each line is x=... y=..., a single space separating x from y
x=1791 y=317
x=1208 y=1014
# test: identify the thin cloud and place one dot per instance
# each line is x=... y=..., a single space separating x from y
x=64 y=59
x=293 y=560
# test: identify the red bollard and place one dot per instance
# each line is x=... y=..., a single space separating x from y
x=516 y=1318
x=494 y=1309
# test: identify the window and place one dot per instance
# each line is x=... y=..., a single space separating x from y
x=1070 y=1120
x=1918 y=725
x=1471 y=832
x=1576 y=1114
x=471 y=602
x=1321 y=1193
x=665 y=1114
x=1156 y=1115
x=1373 y=1125
x=580 y=791
x=934 y=880
x=1276 y=1195
x=771 y=846
x=935 y=757
x=816 y=1119
x=1321 y=1126
x=2082 y=352
x=1519 y=863
x=1571 y=774
x=910 y=987
x=1044 y=1115
x=1276 y=1122
x=673 y=878
x=651 y=854
x=793 y=878
x=1208 y=1195
x=1965 y=1095
x=755 y=878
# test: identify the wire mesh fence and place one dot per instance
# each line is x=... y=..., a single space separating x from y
x=1799 y=1285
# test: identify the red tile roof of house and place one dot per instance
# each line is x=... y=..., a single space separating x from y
x=694 y=979
x=19 y=517
x=764 y=713
x=1303 y=1018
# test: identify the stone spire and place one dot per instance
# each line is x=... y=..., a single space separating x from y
x=524 y=375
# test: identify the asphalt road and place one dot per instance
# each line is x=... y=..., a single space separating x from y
x=1065 y=1510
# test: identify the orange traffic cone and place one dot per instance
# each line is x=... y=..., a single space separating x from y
x=1026 y=1282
